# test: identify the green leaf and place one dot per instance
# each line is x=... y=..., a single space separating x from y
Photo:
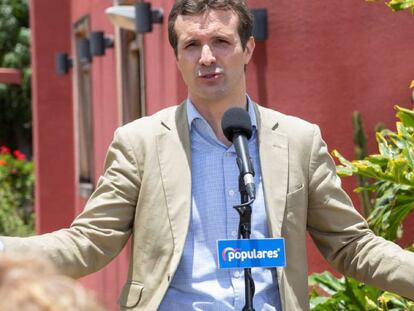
x=326 y=281
x=405 y=115
x=398 y=5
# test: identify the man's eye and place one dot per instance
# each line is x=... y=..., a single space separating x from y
x=190 y=45
x=222 y=42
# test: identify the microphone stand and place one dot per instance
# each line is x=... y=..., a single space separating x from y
x=245 y=213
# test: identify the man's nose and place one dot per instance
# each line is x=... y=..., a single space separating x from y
x=207 y=57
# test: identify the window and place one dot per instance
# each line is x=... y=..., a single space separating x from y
x=83 y=98
x=130 y=64
x=132 y=90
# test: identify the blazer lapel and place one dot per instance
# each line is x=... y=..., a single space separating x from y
x=274 y=162
x=174 y=156
x=273 y=149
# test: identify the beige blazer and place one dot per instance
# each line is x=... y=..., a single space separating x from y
x=145 y=194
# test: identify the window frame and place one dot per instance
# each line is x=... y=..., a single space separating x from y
x=83 y=112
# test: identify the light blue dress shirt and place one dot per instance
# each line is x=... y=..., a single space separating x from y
x=198 y=284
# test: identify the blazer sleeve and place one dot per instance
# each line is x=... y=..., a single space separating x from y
x=343 y=236
x=100 y=232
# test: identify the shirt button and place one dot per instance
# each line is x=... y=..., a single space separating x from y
x=237 y=274
x=234 y=234
x=231 y=192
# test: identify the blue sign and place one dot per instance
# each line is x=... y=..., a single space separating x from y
x=251 y=253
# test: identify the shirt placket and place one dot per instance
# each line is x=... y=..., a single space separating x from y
x=232 y=196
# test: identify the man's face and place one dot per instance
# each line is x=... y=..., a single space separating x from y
x=210 y=56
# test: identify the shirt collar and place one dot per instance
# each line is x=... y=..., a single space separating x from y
x=192 y=112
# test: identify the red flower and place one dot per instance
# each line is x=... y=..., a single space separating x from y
x=3 y=162
x=4 y=150
x=19 y=156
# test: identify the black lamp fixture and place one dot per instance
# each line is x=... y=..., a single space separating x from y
x=260 y=24
x=84 y=51
x=145 y=17
x=99 y=43
x=62 y=63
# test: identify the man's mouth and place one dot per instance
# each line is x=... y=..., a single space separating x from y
x=209 y=73
x=213 y=75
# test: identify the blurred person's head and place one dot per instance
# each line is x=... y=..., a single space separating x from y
x=32 y=284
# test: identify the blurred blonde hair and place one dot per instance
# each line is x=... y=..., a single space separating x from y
x=32 y=284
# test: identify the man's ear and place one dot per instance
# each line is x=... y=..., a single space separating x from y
x=248 y=50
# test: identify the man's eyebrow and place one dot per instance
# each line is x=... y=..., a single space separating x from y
x=222 y=36
x=190 y=38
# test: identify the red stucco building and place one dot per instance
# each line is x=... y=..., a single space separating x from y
x=321 y=61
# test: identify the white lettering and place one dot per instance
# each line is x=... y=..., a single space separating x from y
x=254 y=254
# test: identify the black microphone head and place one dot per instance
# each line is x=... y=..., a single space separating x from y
x=236 y=120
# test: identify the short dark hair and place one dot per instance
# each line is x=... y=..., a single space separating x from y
x=195 y=7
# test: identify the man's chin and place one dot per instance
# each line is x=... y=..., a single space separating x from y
x=212 y=94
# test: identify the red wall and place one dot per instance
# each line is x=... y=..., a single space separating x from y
x=323 y=60
x=53 y=120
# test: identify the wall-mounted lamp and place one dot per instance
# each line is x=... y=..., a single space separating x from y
x=145 y=17
x=99 y=43
x=260 y=24
x=122 y=16
x=62 y=63
x=84 y=51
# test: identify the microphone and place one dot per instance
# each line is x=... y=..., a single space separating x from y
x=237 y=127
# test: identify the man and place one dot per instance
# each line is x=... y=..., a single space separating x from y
x=171 y=180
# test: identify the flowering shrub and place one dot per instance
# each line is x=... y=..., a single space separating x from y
x=16 y=193
x=391 y=172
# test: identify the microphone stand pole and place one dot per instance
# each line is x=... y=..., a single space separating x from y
x=245 y=213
